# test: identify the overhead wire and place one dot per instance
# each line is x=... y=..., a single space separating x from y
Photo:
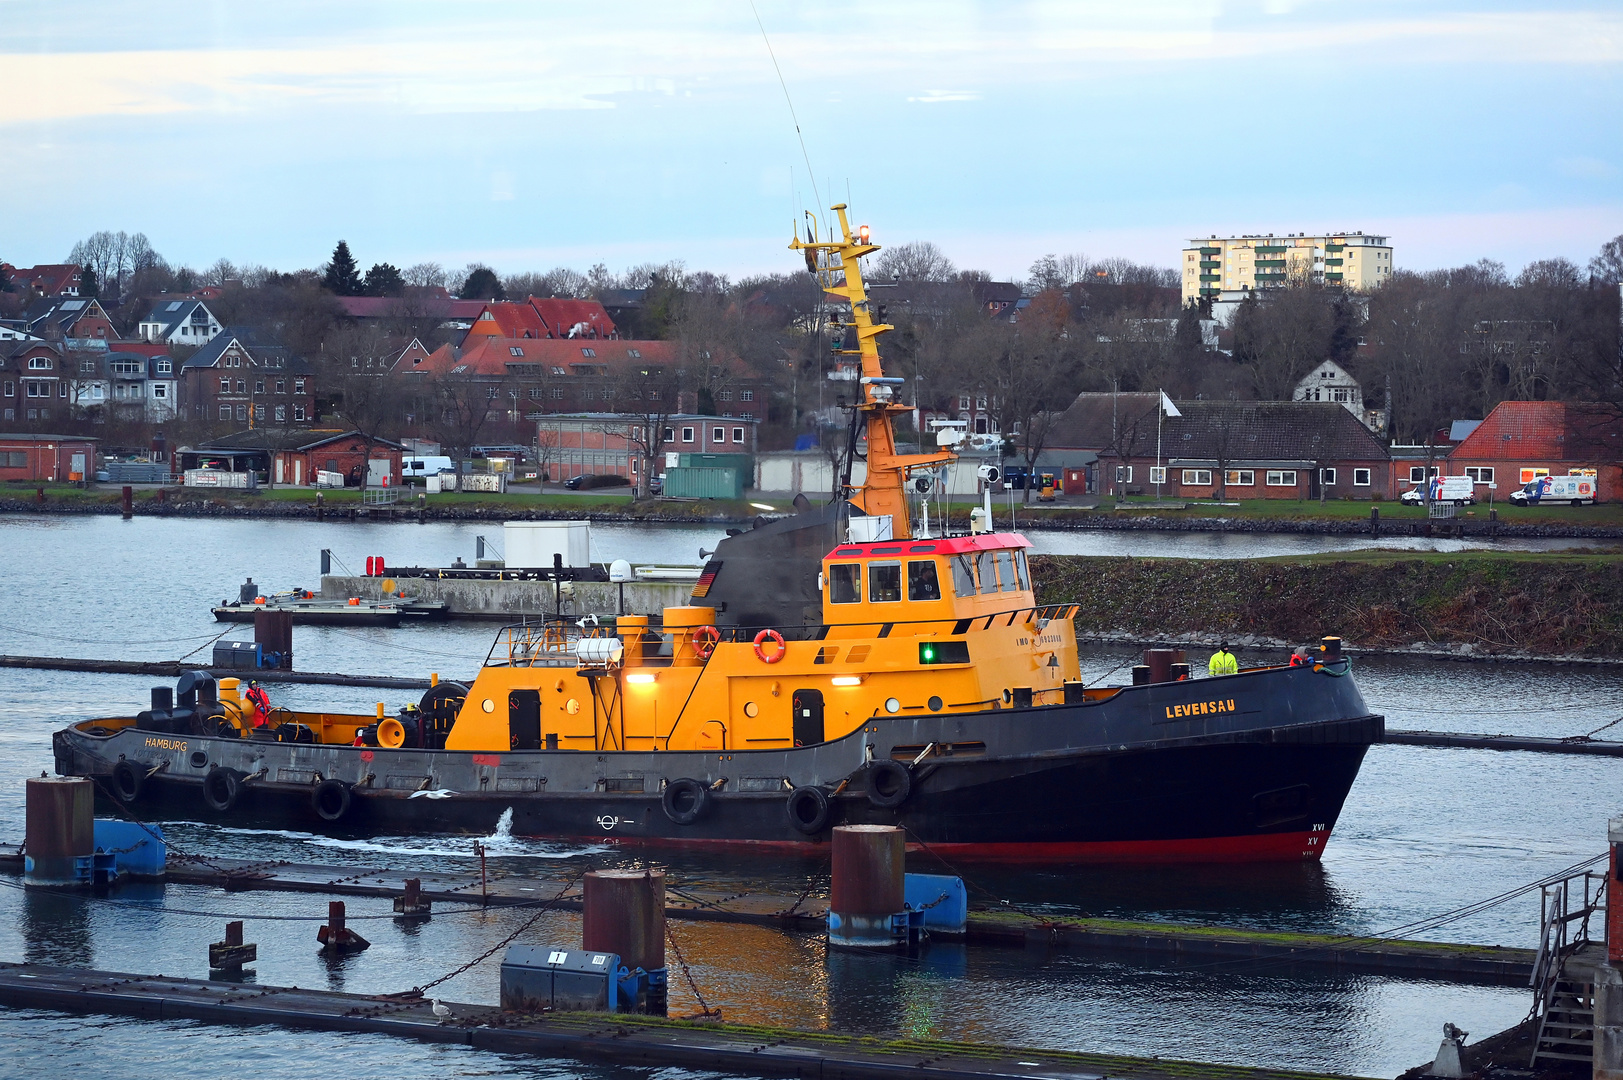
x=810 y=172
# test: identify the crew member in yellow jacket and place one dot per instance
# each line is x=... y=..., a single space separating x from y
x=1223 y=662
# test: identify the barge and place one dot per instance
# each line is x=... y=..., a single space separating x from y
x=837 y=666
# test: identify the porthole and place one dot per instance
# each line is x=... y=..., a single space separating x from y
x=935 y=704
x=892 y=705
x=488 y=706
x=199 y=759
x=571 y=706
x=750 y=708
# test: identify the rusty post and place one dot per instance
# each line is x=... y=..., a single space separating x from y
x=229 y=955
x=39 y=496
x=1160 y=662
x=335 y=937
x=60 y=831
x=1614 y=893
x=321 y=507
x=412 y=905
x=484 y=884
x=1375 y=521
x=866 y=892
x=624 y=913
x=127 y=502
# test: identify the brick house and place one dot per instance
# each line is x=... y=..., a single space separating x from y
x=57 y=317
x=536 y=318
x=238 y=375
x=1520 y=441
x=525 y=377
x=46 y=458
x=46 y=279
x=1263 y=449
x=294 y=457
x=34 y=382
x=614 y=443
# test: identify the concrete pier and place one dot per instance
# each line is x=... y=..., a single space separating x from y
x=625 y=1039
x=485 y=598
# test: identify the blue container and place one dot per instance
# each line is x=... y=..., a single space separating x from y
x=135 y=851
x=939 y=900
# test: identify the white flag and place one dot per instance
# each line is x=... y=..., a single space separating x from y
x=1167 y=406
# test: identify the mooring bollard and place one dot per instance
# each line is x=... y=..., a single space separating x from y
x=335 y=937
x=412 y=905
x=60 y=830
x=321 y=506
x=127 y=502
x=1375 y=521
x=623 y=912
x=229 y=955
x=866 y=896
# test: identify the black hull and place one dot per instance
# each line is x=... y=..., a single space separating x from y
x=1145 y=776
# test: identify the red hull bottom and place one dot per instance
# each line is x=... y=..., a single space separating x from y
x=1303 y=846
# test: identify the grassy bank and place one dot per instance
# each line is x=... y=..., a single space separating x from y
x=1534 y=604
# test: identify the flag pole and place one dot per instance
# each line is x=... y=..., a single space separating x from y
x=1160 y=415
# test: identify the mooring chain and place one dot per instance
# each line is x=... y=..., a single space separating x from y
x=1591 y=734
x=419 y=991
x=705 y=1010
x=1044 y=919
x=168 y=844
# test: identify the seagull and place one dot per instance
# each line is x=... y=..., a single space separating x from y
x=441 y=1010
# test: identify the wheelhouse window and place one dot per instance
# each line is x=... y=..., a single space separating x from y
x=884 y=582
x=1020 y=568
x=984 y=563
x=845 y=583
x=921 y=580
x=963 y=575
x=1005 y=570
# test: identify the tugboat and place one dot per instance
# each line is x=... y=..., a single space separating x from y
x=831 y=667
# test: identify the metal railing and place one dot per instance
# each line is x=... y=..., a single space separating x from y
x=1565 y=909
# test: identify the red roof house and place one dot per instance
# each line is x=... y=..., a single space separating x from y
x=1522 y=440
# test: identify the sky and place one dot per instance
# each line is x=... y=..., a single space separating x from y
x=533 y=134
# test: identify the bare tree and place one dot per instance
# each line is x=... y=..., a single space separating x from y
x=1607 y=266
x=916 y=260
x=464 y=405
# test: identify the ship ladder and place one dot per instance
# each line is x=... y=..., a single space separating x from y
x=1564 y=995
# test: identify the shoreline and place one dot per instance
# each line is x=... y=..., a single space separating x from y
x=680 y=513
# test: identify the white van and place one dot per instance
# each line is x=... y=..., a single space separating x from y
x=416 y=468
x=1577 y=490
x=1459 y=490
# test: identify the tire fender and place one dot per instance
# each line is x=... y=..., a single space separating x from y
x=129 y=780
x=331 y=800
x=684 y=801
x=222 y=788
x=808 y=809
x=889 y=784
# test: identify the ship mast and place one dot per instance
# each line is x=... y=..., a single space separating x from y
x=884 y=491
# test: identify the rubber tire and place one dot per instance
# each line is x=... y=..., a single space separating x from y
x=322 y=800
x=222 y=788
x=889 y=784
x=695 y=792
x=802 y=798
x=129 y=780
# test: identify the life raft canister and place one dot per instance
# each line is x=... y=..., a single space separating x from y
x=704 y=641
x=770 y=635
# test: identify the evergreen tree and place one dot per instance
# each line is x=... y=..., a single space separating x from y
x=482 y=284
x=88 y=285
x=342 y=277
x=384 y=279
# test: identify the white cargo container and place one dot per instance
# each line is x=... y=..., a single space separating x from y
x=530 y=545
x=1577 y=490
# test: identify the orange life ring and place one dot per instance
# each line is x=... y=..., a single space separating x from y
x=704 y=641
x=770 y=635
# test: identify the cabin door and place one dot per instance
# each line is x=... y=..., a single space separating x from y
x=808 y=727
x=524 y=719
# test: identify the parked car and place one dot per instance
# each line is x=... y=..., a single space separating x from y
x=574 y=482
x=1459 y=490
x=656 y=485
x=1576 y=490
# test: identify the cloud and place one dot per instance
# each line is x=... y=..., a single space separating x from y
x=1585 y=168
x=930 y=97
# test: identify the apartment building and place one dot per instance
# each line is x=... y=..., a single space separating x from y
x=1355 y=261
